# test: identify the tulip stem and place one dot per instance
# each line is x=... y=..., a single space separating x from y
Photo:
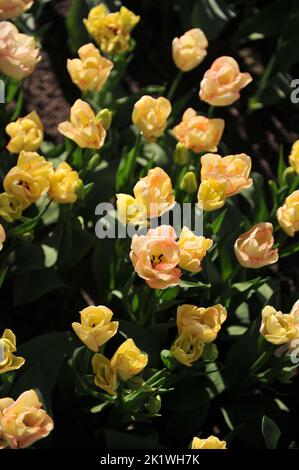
x=211 y=111
x=174 y=85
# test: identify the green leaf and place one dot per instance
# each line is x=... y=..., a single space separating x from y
x=270 y=432
x=217 y=223
x=281 y=166
x=140 y=438
x=3 y=273
x=31 y=285
x=77 y=32
x=189 y=284
x=211 y=16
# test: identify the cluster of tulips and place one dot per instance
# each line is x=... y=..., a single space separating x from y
x=159 y=257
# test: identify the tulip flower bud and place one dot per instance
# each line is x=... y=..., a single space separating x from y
x=189 y=183
x=105 y=118
x=93 y=162
x=211 y=442
x=154 y=405
x=181 y=155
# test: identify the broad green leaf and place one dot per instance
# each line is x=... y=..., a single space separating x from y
x=77 y=32
x=271 y=432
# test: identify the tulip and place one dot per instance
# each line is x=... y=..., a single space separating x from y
x=155 y=257
x=181 y=155
x=26 y=133
x=222 y=83
x=294 y=157
x=18 y=52
x=29 y=179
x=199 y=133
x=254 y=250
x=12 y=8
x=96 y=327
x=2 y=236
x=150 y=116
x=155 y=192
x=189 y=183
x=205 y=323
x=232 y=171
x=105 y=118
x=111 y=30
x=84 y=128
x=277 y=327
x=192 y=250
x=91 y=71
x=128 y=360
x=8 y=361
x=105 y=374
x=64 y=184
x=23 y=422
x=10 y=208
x=189 y=50
x=130 y=210
x=211 y=195
x=288 y=214
x=212 y=442
x=187 y=348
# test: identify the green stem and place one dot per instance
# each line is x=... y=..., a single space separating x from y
x=174 y=85
x=211 y=111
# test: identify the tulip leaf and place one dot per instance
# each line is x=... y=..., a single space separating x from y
x=211 y=16
x=77 y=32
x=31 y=285
x=271 y=432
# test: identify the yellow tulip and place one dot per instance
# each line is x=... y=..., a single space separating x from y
x=130 y=210
x=211 y=442
x=187 y=348
x=199 y=133
x=211 y=195
x=277 y=327
x=91 y=71
x=254 y=250
x=155 y=192
x=111 y=30
x=192 y=250
x=10 y=207
x=84 y=128
x=96 y=327
x=64 y=184
x=26 y=133
x=150 y=116
x=294 y=157
x=222 y=83
x=189 y=50
x=2 y=236
x=288 y=214
x=18 y=52
x=128 y=360
x=205 y=323
x=23 y=422
x=29 y=179
x=232 y=172
x=13 y=8
x=8 y=361
x=105 y=374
